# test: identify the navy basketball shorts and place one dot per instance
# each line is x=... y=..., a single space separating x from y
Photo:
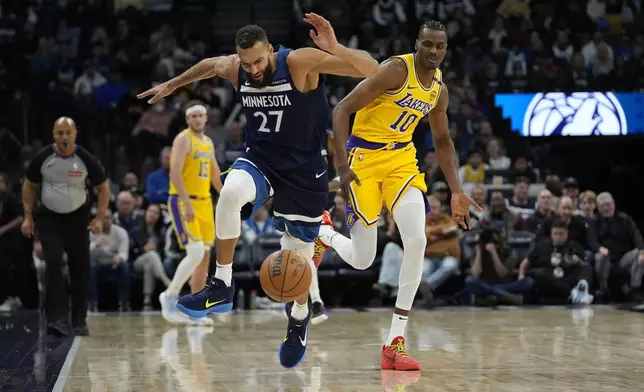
x=299 y=196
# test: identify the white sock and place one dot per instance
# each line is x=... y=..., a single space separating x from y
x=314 y=288
x=194 y=254
x=398 y=324
x=299 y=312
x=225 y=273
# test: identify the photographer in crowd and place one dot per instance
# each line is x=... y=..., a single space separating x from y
x=557 y=267
x=491 y=278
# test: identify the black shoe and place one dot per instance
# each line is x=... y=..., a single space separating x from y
x=319 y=313
x=80 y=330
x=57 y=329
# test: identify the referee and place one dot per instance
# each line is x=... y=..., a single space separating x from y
x=61 y=170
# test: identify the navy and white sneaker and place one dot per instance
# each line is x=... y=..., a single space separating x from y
x=216 y=297
x=293 y=347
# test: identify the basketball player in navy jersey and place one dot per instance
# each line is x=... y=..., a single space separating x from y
x=286 y=109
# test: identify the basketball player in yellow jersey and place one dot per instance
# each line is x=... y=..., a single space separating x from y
x=381 y=165
x=193 y=170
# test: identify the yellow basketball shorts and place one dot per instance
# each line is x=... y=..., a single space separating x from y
x=202 y=228
x=384 y=175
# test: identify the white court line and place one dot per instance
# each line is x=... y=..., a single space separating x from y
x=64 y=372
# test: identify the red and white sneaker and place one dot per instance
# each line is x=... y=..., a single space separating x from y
x=395 y=357
x=320 y=247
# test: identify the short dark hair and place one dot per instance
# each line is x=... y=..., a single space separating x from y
x=249 y=35
x=560 y=224
x=433 y=25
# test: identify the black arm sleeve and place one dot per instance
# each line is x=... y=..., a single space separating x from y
x=34 y=173
x=95 y=171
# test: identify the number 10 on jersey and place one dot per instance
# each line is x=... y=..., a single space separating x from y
x=403 y=122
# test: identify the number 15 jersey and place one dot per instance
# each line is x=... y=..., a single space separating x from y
x=196 y=173
x=393 y=116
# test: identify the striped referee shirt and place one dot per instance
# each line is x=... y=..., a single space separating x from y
x=63 y=180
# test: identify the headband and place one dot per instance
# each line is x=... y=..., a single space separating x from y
x=195 y=109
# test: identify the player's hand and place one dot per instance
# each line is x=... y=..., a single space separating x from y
x=347 y=176
x=96 y=225
x=325 y=38
x=188 y=211
x=158 y=92
x=461 y=204
x=27 y=227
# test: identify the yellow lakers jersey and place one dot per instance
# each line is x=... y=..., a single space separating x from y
x=196 y=167
x=471 y=175
x=393 y=116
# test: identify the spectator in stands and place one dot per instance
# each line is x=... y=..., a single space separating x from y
x=109 y=253
x=562 y=48
x=521 y=197
x=339 y=213
x=130 y=182
x=492 y=272
x=11 y=278
x=473 y=172
x=514 y=9
x=440 y=190
x=260 y=223
x=479 y=195
x=146 y=244
x=554 y=185
x=442 y=253
x=580 y=74
x=577 y=227
x=499 y=214
x=620 y=248
x=229 y=150
x=496 y=159
x=126 y=216
x=158 y=181
x=543 y=211
x=571 y=189
x=89 y=81
x=521 y=169
x=587 y=206
x=557 y=267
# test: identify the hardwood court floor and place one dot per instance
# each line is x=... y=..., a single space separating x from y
x=599 y=349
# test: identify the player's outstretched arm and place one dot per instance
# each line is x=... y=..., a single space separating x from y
x=341 y=61
x=223 y=66
x=391 y=76
x=215 y=171
x=180 y=149
x=446 y=155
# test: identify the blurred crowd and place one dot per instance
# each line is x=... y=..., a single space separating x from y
x=542 y=237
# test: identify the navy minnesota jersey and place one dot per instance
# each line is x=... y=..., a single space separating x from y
x=285 y=128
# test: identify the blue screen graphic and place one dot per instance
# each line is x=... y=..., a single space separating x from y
x=574 y=114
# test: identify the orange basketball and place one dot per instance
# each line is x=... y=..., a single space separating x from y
x=285 y=275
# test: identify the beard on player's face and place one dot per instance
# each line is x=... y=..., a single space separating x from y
x=265 y=80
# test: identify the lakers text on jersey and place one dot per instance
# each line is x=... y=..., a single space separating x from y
x=196 y=176
x=380 y=149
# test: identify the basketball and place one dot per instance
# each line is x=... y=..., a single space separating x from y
x=285 y=275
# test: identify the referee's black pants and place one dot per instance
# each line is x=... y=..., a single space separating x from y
x=59 y=233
